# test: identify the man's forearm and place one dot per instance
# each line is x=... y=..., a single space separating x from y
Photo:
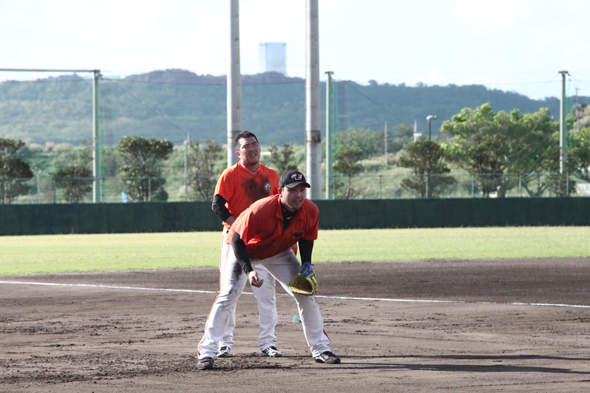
x=218 y=206
x=305 y=250
x=241 y=253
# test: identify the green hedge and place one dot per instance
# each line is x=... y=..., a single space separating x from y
x=340 y=214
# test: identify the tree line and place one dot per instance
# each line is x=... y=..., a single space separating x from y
x=493 y=147
x=490 y=146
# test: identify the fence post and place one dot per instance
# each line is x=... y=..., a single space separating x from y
x=333 y=187
x=196 y=188
x=39 y=187
x=149 y=189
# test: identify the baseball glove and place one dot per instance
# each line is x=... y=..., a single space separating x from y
x=306 y=282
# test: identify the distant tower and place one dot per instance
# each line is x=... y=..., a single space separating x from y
x=272 y=56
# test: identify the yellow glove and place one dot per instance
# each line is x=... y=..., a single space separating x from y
x=306 y=282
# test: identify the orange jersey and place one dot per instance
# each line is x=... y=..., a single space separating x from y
x=261 y=227
x=240 y=187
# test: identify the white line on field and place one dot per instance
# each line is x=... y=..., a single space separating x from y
x=324 y=297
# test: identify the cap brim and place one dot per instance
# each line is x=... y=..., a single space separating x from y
x=295 y=184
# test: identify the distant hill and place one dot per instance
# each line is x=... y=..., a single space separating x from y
x=187 y=77
x=169 y=104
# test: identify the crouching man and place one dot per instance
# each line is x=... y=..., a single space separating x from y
x=263 y=234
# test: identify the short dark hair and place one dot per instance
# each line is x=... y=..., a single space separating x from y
x=243 y=134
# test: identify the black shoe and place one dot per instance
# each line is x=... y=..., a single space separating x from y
x=205 y=363
x=327 y=357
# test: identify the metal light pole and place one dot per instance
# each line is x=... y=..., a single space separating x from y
x=428 y=119
x=234 y=83
x=313 y=132
x=96 y=164
x=562 y=124
x=329 y=131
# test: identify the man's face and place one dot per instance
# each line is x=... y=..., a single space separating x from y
x=249 y=151
x=292 y=198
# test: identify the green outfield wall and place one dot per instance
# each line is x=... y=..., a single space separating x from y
x=340 y=214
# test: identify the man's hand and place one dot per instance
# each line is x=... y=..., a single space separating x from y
x=254 y=280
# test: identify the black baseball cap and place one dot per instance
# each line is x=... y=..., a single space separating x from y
x=291 y=179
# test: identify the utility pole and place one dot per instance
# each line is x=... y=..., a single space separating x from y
x=577 y=113
x=5 y=194
x=562 y=124
x=329 y=130
x=186 y=143
x=96 y=161
x=386 y=158
x=234 y=83
x=39 y=187
x=313 y=132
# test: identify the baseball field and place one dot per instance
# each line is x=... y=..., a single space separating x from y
x=407 y=310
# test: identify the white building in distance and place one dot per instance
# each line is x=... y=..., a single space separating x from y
x=272 y=56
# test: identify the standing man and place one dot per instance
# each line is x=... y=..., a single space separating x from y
x=263 y=235
x=237 y=188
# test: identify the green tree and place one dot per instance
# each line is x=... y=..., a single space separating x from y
x=581 y=149
x=557 y=183
x=76 y=177
x=283 y=158
x=76 y=180
x=368 y=141
x=489 y=145
x=203 y=171
x=141 y=171
x=347 y=164
x=13 y=171
x=427 y=160
x=581 y=117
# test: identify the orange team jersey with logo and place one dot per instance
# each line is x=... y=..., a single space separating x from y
x=261 y=227
x=241 y=187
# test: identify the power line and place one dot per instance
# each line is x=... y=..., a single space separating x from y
x=184 y=132
x=370 y=99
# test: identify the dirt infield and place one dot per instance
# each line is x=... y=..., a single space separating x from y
x=422 y=326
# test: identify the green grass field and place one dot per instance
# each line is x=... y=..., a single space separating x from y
x=69 y=253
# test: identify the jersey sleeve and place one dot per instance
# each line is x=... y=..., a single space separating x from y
x=313 y=215
x=225 y=184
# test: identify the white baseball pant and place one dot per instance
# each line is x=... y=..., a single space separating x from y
x=267 y=306
x=283 y=267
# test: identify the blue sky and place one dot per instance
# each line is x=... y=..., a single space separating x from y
x=513 y=45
